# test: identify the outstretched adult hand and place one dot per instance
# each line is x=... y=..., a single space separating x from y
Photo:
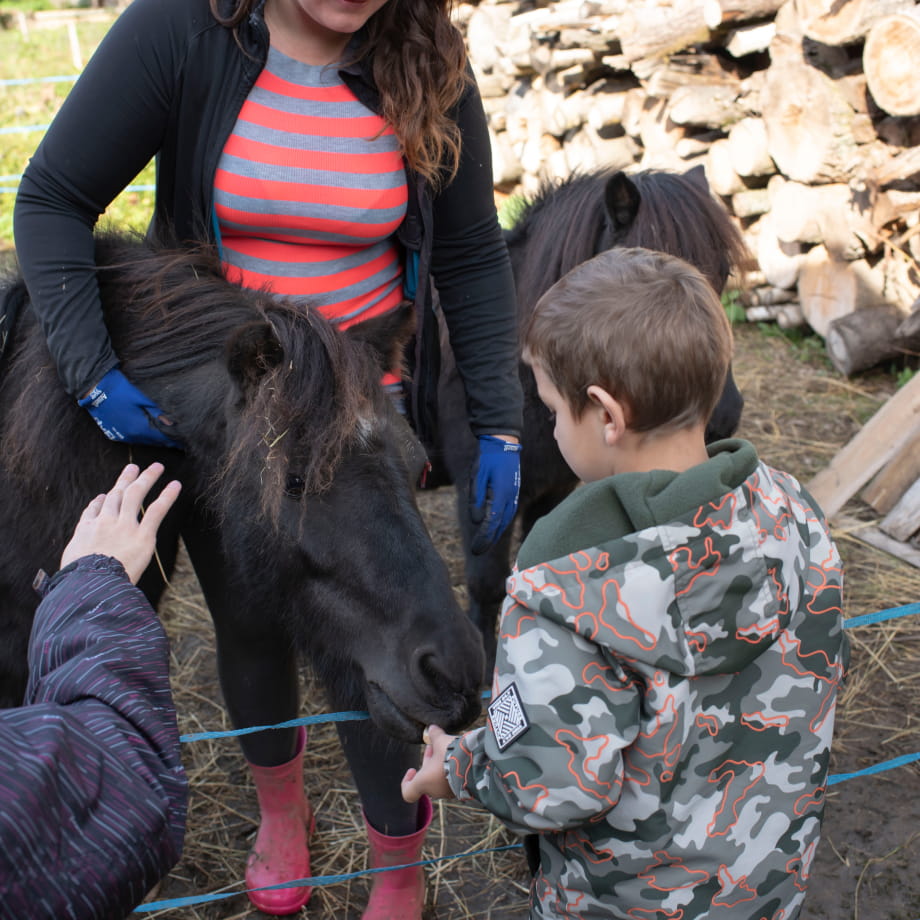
x=124 y=413
x=495 y=489
x=109 y=525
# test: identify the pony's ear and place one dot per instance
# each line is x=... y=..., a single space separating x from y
x=621 y=198
x=252 y=351
x=697 y=176
x=386 y=336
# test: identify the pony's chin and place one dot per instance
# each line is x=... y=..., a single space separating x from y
x=395 y=721
x=388 y=717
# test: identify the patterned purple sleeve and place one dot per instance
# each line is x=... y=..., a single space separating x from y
x=92 y=789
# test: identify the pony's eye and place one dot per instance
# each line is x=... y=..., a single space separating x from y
x=294 y=487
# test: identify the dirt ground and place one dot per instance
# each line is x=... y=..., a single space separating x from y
x=798 y=413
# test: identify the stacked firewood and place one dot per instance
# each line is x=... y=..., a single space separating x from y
x=805 y=114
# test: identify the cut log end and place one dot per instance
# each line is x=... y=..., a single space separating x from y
x=890 y=58
x=863 y=339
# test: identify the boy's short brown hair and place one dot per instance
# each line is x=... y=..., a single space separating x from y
x=645 y=326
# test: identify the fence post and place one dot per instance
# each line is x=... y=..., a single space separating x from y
x=75 y=54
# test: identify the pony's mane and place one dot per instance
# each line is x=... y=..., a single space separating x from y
x=170 y=311
x=558 y=229
x=564 y=223
x=168 y=308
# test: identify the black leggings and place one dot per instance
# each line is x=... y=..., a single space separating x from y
x=258 y=671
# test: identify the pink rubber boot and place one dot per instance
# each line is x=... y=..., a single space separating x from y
x=281 y=851
x=400 y=893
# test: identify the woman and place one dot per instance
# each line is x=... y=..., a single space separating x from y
x=336 y=150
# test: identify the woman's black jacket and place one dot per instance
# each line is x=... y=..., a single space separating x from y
x=168 y=80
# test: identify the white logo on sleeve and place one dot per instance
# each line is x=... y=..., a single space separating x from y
x=507 y=716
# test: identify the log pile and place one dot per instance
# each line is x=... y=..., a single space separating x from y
x=805 y=114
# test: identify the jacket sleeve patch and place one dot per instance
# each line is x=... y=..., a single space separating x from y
x=507 y=717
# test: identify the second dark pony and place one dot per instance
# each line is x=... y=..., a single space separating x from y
x=562 y=226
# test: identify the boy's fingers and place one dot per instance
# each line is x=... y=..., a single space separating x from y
x=406 y=786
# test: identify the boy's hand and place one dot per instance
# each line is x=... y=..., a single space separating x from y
x=429 y=779
x=109 y=525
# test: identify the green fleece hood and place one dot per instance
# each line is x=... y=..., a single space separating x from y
x=702 y=582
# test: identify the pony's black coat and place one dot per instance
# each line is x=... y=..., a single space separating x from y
x=565 y=224
x=294 y=450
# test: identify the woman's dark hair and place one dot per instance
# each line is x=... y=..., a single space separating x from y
x=418 y=63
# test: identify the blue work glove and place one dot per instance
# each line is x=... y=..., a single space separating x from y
x=496 y=486
x=124 y=413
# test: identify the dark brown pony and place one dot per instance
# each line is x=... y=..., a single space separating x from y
x=565 y=224
x=293 y=450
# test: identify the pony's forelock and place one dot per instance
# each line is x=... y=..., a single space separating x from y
x=306 y=412
x=545 y=258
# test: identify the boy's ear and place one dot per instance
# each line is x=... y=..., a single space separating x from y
x=614 y=413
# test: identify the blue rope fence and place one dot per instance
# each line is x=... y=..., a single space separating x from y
x=319 y=881
x=23 y=129
x=25 y=81
x=12 y=189
x=31 y=129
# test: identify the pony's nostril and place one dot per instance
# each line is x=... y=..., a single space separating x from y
x=448 y=665
x=440 y=678
x=448 y=687
x=427 y=667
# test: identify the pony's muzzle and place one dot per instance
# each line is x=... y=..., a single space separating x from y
x=449 y=682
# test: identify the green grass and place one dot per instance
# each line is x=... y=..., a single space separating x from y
x=734 y=309
x=806 y=345
x=903 y=375
x=46 y=52
x=28 y=6
x=510 y=210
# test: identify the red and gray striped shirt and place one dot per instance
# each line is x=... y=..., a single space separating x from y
x=309 y=190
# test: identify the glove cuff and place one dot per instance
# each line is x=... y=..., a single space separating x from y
x=98 y=393
x=490 y=442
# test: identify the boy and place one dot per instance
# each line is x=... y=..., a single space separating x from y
x=671 y=646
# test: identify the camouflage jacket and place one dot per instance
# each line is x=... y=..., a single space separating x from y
x=663 y=701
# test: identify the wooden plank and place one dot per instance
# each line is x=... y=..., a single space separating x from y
x=869 y=450
x=872 y=536
x=54 y=19
x=903 y=521
x=895 y=478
